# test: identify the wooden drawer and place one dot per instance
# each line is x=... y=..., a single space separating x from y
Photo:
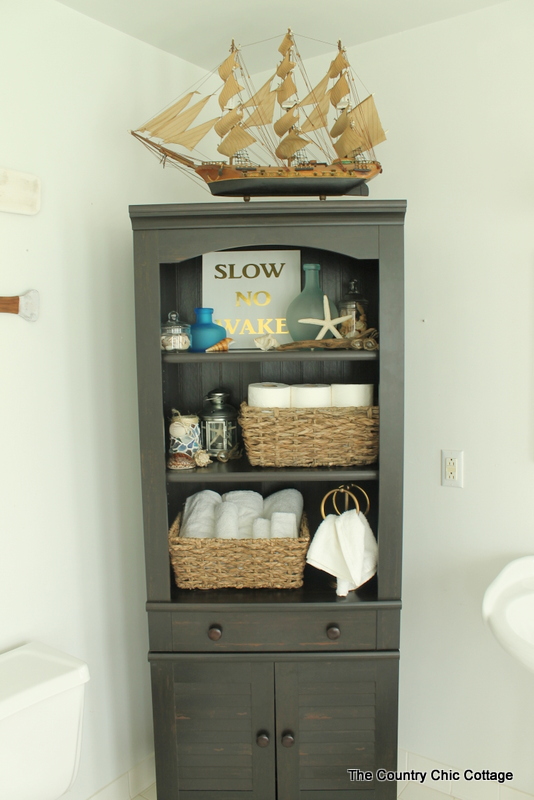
x=268 y=631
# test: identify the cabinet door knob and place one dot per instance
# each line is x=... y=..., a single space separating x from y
x=333 y=632
x=288 y=739
x=215 y=632
x=262 y=739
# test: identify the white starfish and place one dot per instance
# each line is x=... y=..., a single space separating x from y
x=328 y=323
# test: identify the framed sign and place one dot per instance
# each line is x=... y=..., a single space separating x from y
x=250 y=291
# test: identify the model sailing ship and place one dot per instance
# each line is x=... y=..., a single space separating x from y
x=328 y=119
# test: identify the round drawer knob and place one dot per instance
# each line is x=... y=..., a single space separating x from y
x=288 y=739
x=333 y=632
x=262 y=739
x=215 y=632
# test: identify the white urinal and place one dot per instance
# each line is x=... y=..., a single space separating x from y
x=508 y=609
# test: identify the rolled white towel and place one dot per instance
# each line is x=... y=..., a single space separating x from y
x=249 y=505
x=198 y=521
x=226 y=521
x=283 y=525
x=261 y=528
x=287 y=500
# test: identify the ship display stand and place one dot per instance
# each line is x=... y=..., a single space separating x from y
x=266 y=694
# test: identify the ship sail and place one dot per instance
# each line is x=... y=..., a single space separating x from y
x=339 y=90
x=226 y=123
x=155 y=124
x=317 y=94
x=348 y=142
x=285 y=66
x=290 y=118
x=318 y=118
x=338 y=65
x=237 y=139
x=181 y=122
x=259 y=96
x=287 y=89
x=340 y=124
x=289 y=146
x=193 y=136
x=368 y=123
x=228 y=66
x=229 y=90
x=287 y=44
x=263 y=113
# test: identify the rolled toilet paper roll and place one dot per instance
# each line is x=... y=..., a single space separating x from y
x=311 y=395
x=352 y=394
x=269 y=395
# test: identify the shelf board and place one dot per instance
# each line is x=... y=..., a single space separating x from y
x=318 y=589
x=240 y=471
x=271 y=355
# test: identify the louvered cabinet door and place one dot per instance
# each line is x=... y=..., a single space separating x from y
x=333 y=716
x=214 y=729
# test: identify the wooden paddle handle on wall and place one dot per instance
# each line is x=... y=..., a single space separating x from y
x=9 y=305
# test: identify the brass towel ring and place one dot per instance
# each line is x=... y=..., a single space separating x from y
x=344 y=491
x=354 y=486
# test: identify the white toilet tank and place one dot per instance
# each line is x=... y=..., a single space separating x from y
x=41 y=709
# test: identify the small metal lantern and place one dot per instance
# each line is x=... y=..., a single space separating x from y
x=218 y=425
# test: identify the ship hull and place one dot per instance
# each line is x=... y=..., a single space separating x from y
x=229 y=181
x=295 y=187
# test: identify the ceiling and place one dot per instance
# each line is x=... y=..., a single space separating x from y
x=201 y=31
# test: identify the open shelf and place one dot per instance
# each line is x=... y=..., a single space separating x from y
x=240 y=471
x=272 y=355
x=318 y=589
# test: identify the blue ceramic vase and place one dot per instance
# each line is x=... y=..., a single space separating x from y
x=205 y=332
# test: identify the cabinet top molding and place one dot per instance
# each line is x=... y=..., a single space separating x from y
x=344 y=211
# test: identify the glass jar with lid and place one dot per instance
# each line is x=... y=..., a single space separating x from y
x=175 y=334
x=355 y=305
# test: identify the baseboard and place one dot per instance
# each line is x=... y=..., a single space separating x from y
x=451 y=781
x=131 y=784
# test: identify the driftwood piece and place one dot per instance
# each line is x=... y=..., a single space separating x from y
x=366 y=340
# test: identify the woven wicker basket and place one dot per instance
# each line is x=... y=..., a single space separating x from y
x=238 y=563
x=310 y=437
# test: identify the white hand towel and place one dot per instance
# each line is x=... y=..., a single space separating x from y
x=283 y=525
x=226 y=521
x=261 y=528
x=325 y=551
x=288 y=500
x=198 y=520
x=249 y=505
x=345 y=547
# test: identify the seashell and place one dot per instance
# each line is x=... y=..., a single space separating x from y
x=220 y=347
x=267 y=342
x=180 y=461
x=202 y=459
x=370 y=344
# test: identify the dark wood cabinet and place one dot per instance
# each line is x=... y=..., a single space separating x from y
x=271 y=694
x=287 y=727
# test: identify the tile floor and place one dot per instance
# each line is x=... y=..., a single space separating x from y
x=147 y=794
x=409 y=792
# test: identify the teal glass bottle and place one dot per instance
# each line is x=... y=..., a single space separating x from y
x=309 y=303
x=205 y=332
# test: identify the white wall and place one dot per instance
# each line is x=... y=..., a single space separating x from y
x=457 y=100
x=72 y=571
